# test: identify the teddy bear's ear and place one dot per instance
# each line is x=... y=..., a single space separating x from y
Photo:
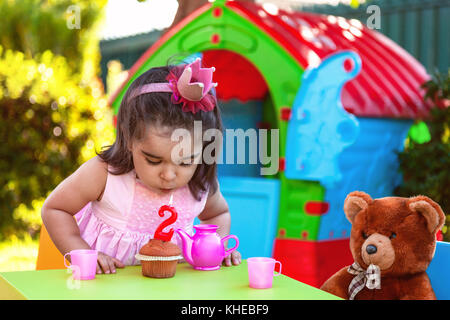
x=432 y=212
x=355 y=202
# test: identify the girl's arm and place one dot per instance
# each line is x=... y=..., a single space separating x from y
x=216 y=212
x=69 y=197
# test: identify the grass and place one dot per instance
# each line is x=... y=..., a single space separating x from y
x=18 y=254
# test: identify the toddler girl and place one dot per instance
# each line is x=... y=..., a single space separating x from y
x=115 y=196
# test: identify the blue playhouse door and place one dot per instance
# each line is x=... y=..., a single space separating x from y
x=252 y=199
x=253 y=204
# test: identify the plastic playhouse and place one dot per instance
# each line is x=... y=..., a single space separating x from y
x=343 y=98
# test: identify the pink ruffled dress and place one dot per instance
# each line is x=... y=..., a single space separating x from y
x=127 y=216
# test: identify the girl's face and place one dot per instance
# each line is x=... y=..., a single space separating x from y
x=162 y=164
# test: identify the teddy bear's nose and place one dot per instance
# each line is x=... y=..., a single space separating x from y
x=371 y=249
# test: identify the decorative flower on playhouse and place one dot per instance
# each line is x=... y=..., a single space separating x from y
x=191 y=88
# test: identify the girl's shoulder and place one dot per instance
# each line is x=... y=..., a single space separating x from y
x=82 y=186
x=96 y=166
x=95 y=173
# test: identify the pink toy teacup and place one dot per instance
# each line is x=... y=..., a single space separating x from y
x=83 y=264
x=261 y=271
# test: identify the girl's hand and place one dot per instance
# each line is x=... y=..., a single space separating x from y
x=107 y=264
x=234 y=257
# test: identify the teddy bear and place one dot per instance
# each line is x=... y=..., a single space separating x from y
x=393 y=240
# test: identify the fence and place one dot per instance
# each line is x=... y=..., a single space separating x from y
x=127 y=50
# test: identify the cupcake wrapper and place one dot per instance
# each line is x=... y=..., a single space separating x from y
x=155 y=258
x=158 y=267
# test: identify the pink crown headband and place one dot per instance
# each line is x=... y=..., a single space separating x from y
x=193 y=95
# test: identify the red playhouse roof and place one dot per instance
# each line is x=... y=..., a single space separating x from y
x=387 y=86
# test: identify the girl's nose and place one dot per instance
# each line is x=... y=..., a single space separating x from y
x=168 y=174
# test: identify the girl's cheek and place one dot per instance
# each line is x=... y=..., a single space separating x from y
x=188 y=172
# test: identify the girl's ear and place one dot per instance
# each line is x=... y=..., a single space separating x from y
x=355 y=202
x=432 y=212
x=130 y=146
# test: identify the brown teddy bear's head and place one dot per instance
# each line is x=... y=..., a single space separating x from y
x=396 y=234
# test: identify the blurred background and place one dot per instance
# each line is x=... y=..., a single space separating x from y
x=61 y=59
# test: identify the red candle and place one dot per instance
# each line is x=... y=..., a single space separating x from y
x=159 y=233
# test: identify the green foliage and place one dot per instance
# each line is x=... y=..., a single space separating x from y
x=53 y=111
x=18 y=254
x=438 y=88
x=35 y=26
x=426 y=166
x=48 y=124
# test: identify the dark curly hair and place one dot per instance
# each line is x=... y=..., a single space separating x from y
x=136 y=113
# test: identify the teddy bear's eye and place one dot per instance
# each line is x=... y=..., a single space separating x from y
x=364 y=235
x=393 y=235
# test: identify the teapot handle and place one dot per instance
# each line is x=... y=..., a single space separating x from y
x=232 y=249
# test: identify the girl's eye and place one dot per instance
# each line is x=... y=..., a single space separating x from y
x=393 y=235
x=364 y=235
x=154 y=163
x=185 y=164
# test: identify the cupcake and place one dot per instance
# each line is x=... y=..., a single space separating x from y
x=159 y=258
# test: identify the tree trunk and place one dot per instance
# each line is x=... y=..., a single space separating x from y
x=186 y=7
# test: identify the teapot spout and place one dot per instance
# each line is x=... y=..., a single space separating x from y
x=186 y=240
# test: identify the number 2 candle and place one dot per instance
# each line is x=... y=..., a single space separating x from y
x=159 y=233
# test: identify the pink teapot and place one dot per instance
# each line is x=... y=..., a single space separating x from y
x=205 y=250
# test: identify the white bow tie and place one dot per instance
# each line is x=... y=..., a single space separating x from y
x=369 y=278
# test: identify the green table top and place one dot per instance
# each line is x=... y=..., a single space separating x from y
x=227 y=283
